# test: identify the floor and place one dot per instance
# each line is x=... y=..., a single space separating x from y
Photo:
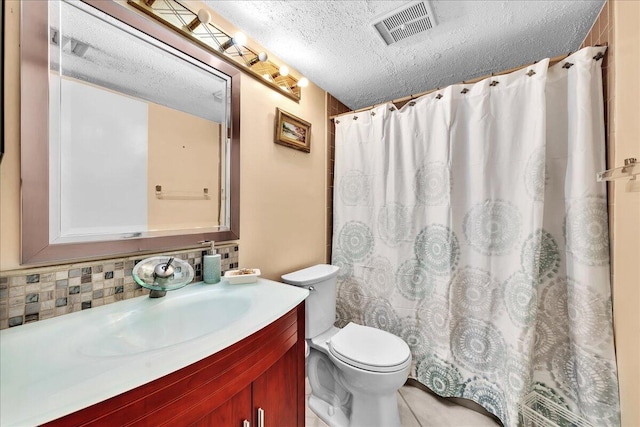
x=419 y=408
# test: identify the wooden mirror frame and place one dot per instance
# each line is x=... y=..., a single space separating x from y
x=34 y=163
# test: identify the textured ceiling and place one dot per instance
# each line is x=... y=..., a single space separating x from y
x=115 y=60
x=334 y=44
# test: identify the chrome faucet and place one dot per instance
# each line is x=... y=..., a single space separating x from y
x=162 y=271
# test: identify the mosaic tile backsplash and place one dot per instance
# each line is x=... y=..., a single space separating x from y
x=41 y=293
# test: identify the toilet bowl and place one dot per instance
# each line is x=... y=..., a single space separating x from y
x=354 y=372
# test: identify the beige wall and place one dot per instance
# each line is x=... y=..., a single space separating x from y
x=10 y=166
x=625 y=136
x=183 y=156
x=283 y=191
x=617 y=27
x=282 y=220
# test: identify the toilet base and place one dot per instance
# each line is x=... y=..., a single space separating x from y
x=332 y=416
x=369 y=411
x=385 y=413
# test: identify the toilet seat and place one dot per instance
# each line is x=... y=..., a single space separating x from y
x=370 y=349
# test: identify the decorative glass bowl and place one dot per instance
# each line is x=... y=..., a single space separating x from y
x=143 y=274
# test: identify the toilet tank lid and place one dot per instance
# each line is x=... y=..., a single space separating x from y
x=311 y=275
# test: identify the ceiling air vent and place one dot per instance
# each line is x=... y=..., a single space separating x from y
x=406 y=21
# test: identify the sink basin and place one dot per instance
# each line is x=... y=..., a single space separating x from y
x=166 y=322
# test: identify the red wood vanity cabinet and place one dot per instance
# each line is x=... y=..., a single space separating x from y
x=257 y=382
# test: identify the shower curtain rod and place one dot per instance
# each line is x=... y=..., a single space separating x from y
x=405 y=99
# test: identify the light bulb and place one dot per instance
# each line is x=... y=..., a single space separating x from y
x=303 y=82
x=203 y=17
x=239 y=39
x=284 y=70
x=260 y=58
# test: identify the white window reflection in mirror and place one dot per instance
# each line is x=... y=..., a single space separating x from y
x=141 y=142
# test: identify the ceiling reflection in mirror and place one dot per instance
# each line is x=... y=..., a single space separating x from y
x=138 y=133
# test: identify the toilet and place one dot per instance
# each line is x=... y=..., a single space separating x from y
x=355 y=371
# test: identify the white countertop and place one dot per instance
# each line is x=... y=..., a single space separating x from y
x=55 y=367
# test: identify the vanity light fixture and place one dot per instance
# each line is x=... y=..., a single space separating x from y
x=55 y=37
x=59 y=40
x=178 y=17
x=238 y=39
x=203 y=17
x=260 y=58
x=79 y=48
x=303 y=82
x=283 y=71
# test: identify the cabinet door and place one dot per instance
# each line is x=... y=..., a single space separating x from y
x=276 y=392
x=233 y=413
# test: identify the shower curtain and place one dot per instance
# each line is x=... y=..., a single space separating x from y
x=470 y=224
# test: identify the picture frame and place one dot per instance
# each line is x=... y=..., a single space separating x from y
x=292 y=131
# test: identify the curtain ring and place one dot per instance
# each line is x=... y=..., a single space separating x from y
x=599 y=56
x=411 y=103
x=567 y=65
x=373 y=113
x=337 y=121
x=463 y=91
x=531 y=73
x=355 y=117
x=494 y=83
x=438 y=96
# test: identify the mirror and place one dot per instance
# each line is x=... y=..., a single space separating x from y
x=137 y=148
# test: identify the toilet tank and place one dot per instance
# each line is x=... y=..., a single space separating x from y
x=320 y=305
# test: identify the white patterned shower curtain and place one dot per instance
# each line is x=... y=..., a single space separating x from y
x=470 y=224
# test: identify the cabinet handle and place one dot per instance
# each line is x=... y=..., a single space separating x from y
x=246 y=423
x=260 y=417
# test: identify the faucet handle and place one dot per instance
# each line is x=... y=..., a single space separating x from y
x=164 y=270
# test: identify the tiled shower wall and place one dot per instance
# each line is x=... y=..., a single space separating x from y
x=333 y=107
x=602 y=34
x=41 y=293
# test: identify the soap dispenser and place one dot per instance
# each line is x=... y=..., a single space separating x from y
x=211 y=266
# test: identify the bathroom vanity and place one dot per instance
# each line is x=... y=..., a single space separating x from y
x=235 y=358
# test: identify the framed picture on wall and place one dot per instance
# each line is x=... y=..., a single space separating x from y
x=292 y=131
